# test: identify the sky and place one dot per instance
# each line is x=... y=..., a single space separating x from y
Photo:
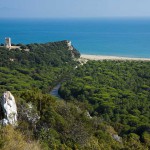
x=74 y=8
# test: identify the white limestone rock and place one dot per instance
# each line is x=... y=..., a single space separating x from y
x=87 y=114
x=117 y=138
x=4 y=122
x=9 y=108
x=70 y=47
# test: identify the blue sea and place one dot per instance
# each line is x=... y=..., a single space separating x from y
x=117 y=37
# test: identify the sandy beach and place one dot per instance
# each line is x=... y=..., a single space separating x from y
x=103 y=57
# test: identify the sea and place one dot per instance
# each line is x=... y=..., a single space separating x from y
x=128 y=37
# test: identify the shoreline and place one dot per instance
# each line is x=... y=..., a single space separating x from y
x=105 y=57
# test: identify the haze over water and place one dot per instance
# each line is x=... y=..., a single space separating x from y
x=117 y=37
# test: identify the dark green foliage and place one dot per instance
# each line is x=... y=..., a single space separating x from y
x=119 y=91
x=113 y=93
x=64 y=125
x=42 y=67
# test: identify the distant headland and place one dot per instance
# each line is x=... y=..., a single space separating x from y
x=83 y=57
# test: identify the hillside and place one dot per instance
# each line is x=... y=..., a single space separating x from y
x=117 y=91
x=97 y=98
x=41 y=67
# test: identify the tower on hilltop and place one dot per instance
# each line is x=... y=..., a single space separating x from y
x=8 y=42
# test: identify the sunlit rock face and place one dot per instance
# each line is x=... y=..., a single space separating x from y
x=9 y=107
x=70 y=47
x=117 y=138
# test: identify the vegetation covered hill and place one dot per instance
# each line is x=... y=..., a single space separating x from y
x=101 y=100
x=42 y=67
x=118 y=91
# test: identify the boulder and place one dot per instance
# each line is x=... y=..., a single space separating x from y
x=9 y=108
x=117 y=138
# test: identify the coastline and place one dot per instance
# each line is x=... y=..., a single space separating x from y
x=104 y=57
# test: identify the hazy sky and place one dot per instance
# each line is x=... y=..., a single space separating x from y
x=74 y=8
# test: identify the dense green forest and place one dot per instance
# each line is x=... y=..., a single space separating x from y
x=40 y=67
x=117 y=91
x=105 y=107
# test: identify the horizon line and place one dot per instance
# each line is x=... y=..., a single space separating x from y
x=106 y=17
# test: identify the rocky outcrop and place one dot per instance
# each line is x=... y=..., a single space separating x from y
x=70 y=47
x=117 y=138
x=9 y=108
x=28 y=112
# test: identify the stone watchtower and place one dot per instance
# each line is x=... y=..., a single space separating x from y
x=8 y=42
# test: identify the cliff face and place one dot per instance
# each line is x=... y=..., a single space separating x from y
x=75 y=53
x=70 y=47
x=9 y=107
